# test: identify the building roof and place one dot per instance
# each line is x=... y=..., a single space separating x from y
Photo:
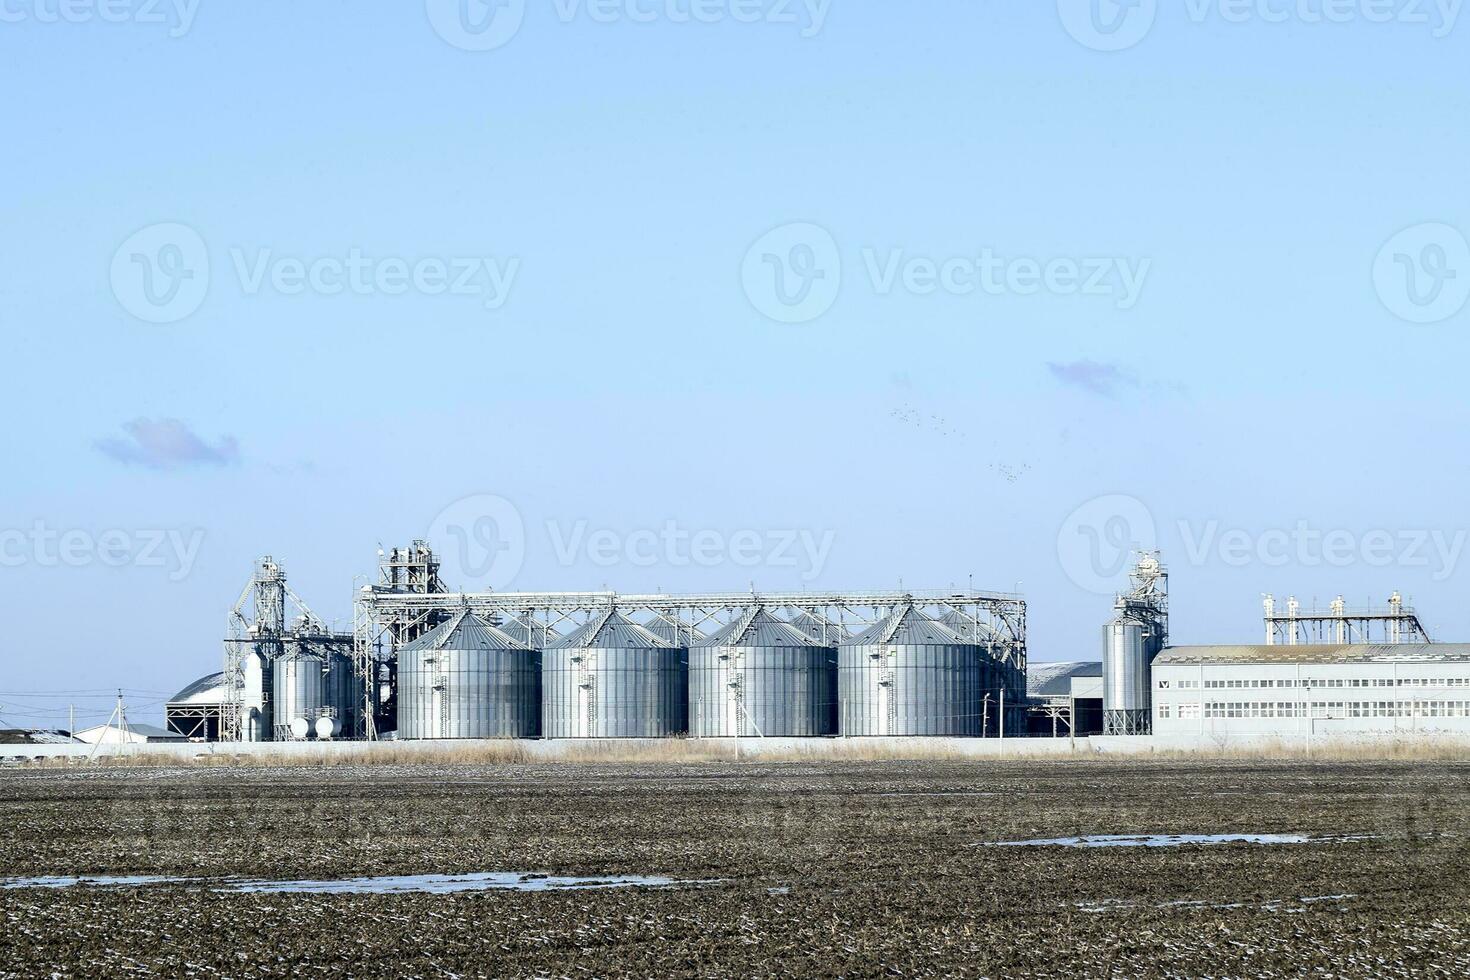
x=33 y=736
x=1316 y=653
x=136 y=728
x=209 y=689
x=1055 y=680
x=758 y=628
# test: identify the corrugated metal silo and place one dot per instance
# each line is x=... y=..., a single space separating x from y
x=309 y=683
x=1127 y=656
x=911 y=675
x=761 y=676
x=468 y=679
x=614 y=679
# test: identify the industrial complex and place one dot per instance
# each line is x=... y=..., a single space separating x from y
x=425 y=663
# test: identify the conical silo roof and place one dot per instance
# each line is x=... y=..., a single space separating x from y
x=528 y=634
x=665 y=631
x=966 y=627
x=814 y=627
x=465 y=631
x=611 y=630
x=758 y=628
x=908 y=625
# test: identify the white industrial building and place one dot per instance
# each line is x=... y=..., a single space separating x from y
x=1312 y=689
x=115 y=733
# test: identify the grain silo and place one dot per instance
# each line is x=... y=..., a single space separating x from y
x=912 y=675
x=614 y=679
x=761 y=676
x=313 y=693
x=1004 y=682
x=467 y=679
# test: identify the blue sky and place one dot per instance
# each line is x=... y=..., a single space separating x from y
x=624 y=375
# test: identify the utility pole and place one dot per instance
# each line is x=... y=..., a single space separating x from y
x=121 y=714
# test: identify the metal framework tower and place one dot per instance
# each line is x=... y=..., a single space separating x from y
x=257 y=624
x=1340 y=625
x=1138 y=631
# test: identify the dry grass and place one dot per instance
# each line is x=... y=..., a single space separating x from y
x=693 y=751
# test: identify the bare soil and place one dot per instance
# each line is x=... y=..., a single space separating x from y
x=822 y=869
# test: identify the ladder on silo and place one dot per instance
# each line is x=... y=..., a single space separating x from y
x=586 y=697
x=888 y=707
